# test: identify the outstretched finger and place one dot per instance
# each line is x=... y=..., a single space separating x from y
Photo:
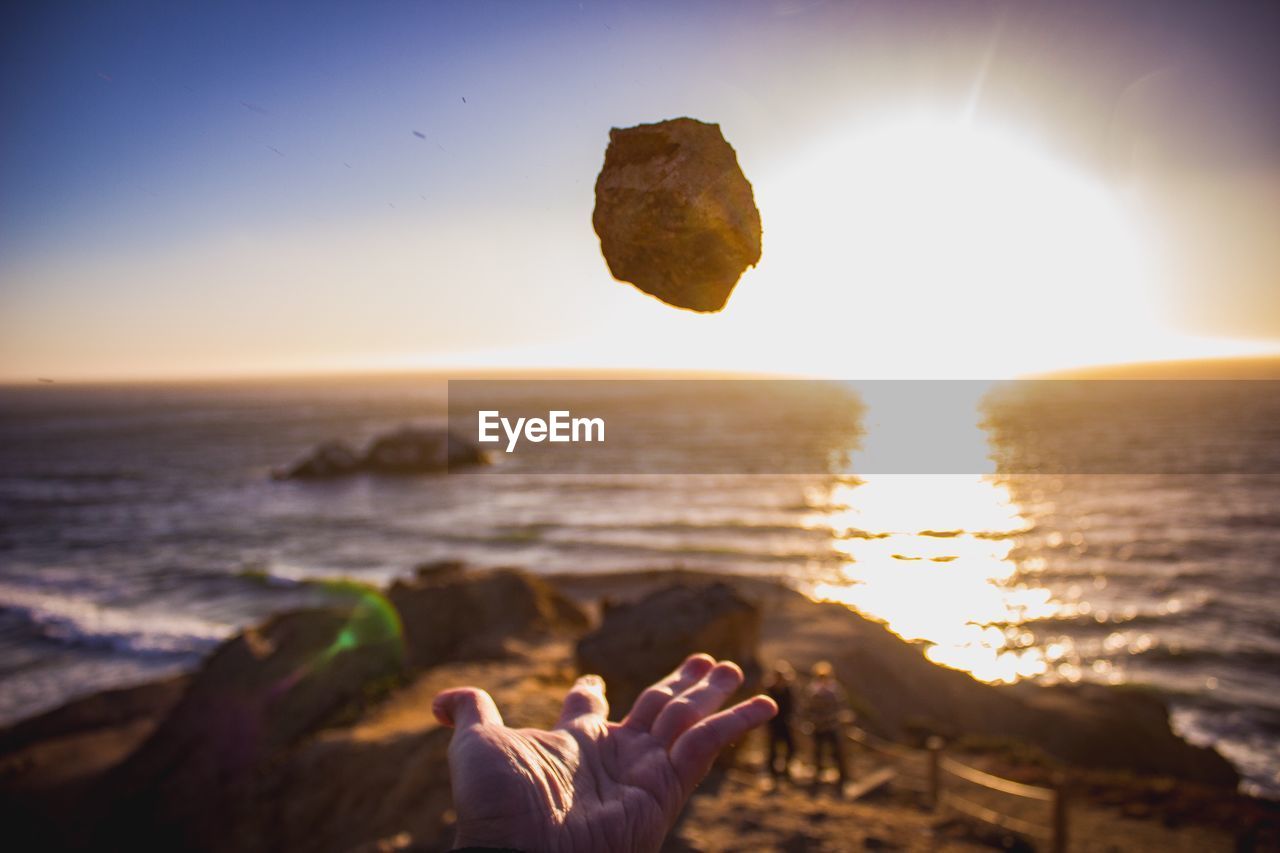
x=697 y=748
x=586 y=698
x=697 y=702
x=464 y=707
x=655 y=697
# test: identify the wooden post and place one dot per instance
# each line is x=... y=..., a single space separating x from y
x=1059 y=842
x=934 y=746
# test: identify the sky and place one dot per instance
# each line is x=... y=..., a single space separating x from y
x=947 y=188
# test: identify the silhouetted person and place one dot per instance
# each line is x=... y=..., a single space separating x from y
x=826 y=711
x=780 y=687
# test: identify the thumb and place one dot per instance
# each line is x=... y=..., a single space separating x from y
x=464 y=707
x=586 y=697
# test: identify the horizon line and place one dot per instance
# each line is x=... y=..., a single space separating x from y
x=1194 y=368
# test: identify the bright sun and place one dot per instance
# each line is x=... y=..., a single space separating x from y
x=961 y=234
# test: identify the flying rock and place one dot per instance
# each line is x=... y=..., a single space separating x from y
x=675 y=215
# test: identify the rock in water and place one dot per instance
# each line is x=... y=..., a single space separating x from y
x=331 y=459
x=411 y=450
x=675 y=214
x=418 y=450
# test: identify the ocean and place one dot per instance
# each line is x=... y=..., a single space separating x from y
x=140 y=525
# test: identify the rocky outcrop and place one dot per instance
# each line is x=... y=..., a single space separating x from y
x=120 y=706
x=1121 y=728
x=417 y=450
x=897 y=691
x=675 y=215
x=257 y=695
x=903 y=695
x=409 y=450
x=638 y=643
x=77 y=742
x=330 y=459
x=310 y=731
x=250 y=726
x=451 y=614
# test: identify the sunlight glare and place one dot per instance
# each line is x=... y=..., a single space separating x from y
x=930 y=555
x=920 y=236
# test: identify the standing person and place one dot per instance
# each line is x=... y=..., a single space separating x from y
x=826 y=711
x=780 y=687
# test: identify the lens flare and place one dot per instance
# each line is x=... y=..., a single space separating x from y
x=373 y=621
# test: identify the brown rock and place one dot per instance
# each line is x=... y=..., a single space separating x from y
x=675 y=215
x=409 y=450
x=638 y=643
x=438 y=570
x=106 y=709
x=259 y=693
x=253 y=753
x=418 y=450
x=1124 y=728
x=452 y=614
x=330 y=459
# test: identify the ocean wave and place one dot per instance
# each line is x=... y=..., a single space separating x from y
x=1244 y=737
x=327 y=582
x=104 y=476
x=1268 y=521
x=1110 y=620
x=605 y=549
x=1248 y=658
x=75 y=621
x=537 y=529
x=266 y=575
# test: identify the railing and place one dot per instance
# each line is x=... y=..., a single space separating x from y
x=936 y=764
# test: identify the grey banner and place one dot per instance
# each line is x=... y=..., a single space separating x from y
x=871 y=427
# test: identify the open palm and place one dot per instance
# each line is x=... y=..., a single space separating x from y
x=589 y=784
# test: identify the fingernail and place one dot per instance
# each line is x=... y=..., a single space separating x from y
x=592 y=682
x=726 y=673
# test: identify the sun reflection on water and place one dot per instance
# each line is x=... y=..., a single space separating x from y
x=930 y=555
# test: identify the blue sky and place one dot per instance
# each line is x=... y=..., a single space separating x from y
x=233 y=186
x=137 y=123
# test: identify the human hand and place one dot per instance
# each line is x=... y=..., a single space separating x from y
x=589 y=784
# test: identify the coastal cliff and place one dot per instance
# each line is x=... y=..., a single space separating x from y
x=313 y=730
